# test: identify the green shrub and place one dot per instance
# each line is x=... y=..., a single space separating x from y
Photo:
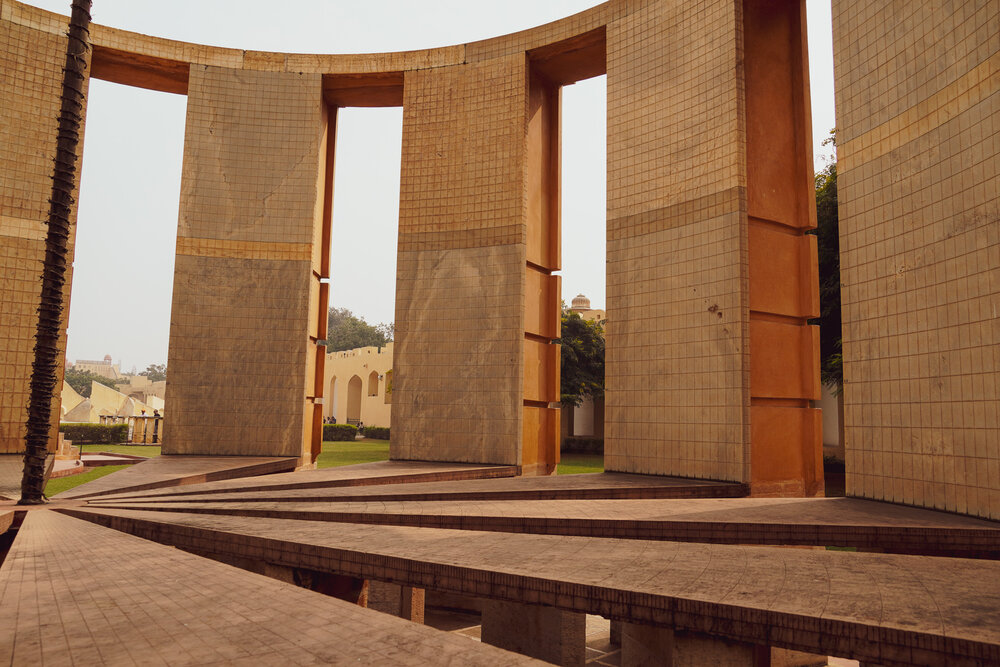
x=583 y=445
x=376 y=432
x=102 y=434
x=339 y=432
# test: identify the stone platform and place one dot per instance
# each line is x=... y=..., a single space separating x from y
x=142 y=603
x=878 y=608
x=676 y=572
x=841 y=522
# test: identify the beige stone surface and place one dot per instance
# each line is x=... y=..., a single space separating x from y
x=359 y=381
x=918 y=118
x=163 y=606
x=251 y=202
x=881 y=608
x=32 y=62
x=476 y=307
x=677 y=391
x=457 y=371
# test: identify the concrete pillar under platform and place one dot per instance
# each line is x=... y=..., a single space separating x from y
x=403 y=601
x=545 y=633
x=616 y=633
x=649 y=646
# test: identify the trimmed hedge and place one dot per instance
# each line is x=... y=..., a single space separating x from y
x=339 y=432
x=101 y=434
x=583 y=445
x=376 y=432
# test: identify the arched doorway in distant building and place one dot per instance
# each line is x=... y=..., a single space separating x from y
x=373 y=383
x=330 y=409
x=354 y=400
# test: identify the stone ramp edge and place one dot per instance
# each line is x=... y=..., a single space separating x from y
x=917 y=540
x=182 y=478
x=596 y=493
x=478 y=472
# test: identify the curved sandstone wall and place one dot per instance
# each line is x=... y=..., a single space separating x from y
x=918 y=120
x=711 y=278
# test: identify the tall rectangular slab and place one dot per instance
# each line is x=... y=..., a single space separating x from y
x=711 y=363
x=32 y=56
x=677 y=397
x=918 y=117
x=458 y=365
x=246 y=308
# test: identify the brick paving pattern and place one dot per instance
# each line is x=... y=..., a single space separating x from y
x=874 y=607
x=162 y=606
x=846 y=522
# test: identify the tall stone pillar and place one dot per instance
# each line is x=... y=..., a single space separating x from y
x=710 y=362
x=473 y=370
x=246 y=310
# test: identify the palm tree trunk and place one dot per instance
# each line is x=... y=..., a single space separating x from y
x=50 y=309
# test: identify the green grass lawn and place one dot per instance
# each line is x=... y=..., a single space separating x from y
x=135 y=450
x=61 y=484
x=571 y=463
x=345 y=453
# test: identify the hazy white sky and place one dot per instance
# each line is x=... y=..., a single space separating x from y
x=134 y=143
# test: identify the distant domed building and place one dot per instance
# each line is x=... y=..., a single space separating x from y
x=104 y=367
x=581 y=306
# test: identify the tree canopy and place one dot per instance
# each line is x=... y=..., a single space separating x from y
x=346 y=331
x=155 y=372
x=80 y=381
x=828 y=240
x=582 y=364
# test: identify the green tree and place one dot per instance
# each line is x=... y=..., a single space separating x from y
x=582 y=363
x=155 y=372
x=828 y=241
x=346 y=331
x=80 y=381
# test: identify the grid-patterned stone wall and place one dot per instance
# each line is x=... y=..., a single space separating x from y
x=245 y=297
x=676 y=374
x=918 y=118
x=32 y=56
x=477 y=305
x=458 y=365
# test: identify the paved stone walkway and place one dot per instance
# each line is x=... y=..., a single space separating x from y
x=72 y=592
x=844 y=522
x=170 y=471
x=880 y=608
x=594 y=544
